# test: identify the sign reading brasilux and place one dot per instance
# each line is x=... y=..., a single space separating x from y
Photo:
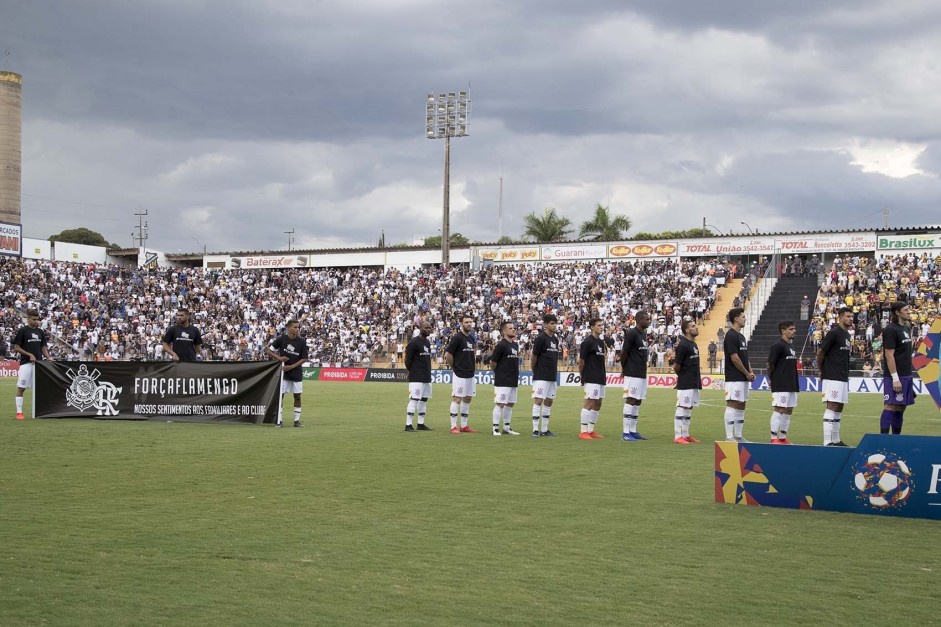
x=190 y=392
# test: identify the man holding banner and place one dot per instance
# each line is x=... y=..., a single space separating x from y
x=291 y=350
x=30 y=344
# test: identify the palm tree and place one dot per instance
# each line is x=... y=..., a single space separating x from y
x=603 y=227
x=551 y=227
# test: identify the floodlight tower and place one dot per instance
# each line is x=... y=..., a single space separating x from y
x=446 y=116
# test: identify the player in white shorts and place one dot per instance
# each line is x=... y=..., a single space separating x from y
x=594 y=391
x=737 y=391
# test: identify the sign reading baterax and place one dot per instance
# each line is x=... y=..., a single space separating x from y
x=900 y=243
x=269 y=261
x=719 y=247
x=886 y=475
x=853 y=242
x=513 y=254
x=643 y=250
x=189 y=392
x=11 y=239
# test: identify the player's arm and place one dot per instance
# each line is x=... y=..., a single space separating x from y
x=45 y=353
x=167 y=338
x=448 y=355
x=737 y=362
x=409 y=356
x=270 y=349
x=892 y=368
x=17 y=349
x=534 y=357
x=772 y=361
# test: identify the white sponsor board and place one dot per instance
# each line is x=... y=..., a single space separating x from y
x=514 y=254
x=726 y=246
x=565 y=253
x=905 y=243
x=643 y=250
x=287 y=260
x=851 y=242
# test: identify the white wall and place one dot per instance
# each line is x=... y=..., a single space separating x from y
x=37 y=248
x=64 y=251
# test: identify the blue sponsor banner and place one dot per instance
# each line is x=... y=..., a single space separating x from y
x=864 y=385
x=483 y=377
x=886 y=475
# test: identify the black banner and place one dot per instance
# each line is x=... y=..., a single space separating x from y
x=190 y=392
x=393 y=375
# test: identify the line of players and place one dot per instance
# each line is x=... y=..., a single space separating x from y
x=833 y=360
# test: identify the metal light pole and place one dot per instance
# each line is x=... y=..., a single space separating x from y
x=446 y=116
x=751 y=231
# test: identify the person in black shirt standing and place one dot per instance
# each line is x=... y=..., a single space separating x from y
x=30 y=343
x=505 y=362
x=418 y=363
x=897 y=386
x=459 y=355
x=291 y=350
x=833 y=360
x=634 y=357
x=782 y=372
x=182 y=341
x=688 y=382
x=738 y=376
x=592 y=372
x=545 y=365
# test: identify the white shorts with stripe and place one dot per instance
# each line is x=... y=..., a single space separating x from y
x=545 y=390
x=737 y=391
x=635 y=387
x=834 y=391
x=24 y=376
x=463 y=387
x=687 y=398
x=505 y=395
x=784 y=399
x=419 y=391
x=594 y=391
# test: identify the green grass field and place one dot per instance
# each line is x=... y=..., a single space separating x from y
x=353 y=521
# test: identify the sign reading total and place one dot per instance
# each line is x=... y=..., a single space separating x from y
x=855 y=242
x=717 y=247
x=643 y=250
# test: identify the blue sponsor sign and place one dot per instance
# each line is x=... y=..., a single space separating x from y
x=885 y=475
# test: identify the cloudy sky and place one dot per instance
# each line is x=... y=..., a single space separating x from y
x=234 y=121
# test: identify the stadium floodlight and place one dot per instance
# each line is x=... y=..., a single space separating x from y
x=447 y=115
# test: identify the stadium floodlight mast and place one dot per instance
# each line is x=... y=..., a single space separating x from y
x=446 y=116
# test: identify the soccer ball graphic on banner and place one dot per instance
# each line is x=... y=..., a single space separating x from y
x=883 y=481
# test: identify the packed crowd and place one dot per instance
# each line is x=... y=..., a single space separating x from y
x=349 y=316
x=869 y=285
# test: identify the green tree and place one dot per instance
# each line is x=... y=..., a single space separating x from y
x=506 y=239
x=456 y=239
x=82 y=236
x=550 y=227
x=603 y=226
x=698 y=232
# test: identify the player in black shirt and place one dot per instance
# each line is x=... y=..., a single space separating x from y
x=833 y=360
x=418 y=363
x=545 y=364
x=291 y=350
x=459 y=355
x=593 y=376
x=898 y=388
x=688 y=382
x=505 y=362
x=738 y=376
x=30 y=343
x=182 y=341
x=782 y=372
x=634 y=368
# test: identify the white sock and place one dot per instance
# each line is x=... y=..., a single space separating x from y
x=545 y=418
x=783 y=426
x=585 y=415
x=677 y=426
x=775 y=425
x=410 y=412
x=454 y=407
x=686 y=422
x=634 y=418
x=507 y=417
x=627 y=419
x=592 y=419
x=497 y=414
x=537 y=412
x=297 y=414
x=828 y=423
x=465 y=410
x=729 y=423
x=739 y=422
x=836 y=426
x=19 y=404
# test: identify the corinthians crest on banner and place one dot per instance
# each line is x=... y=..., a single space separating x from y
x=87 y=392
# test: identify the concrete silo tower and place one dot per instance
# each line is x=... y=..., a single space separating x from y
x=11 y=125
